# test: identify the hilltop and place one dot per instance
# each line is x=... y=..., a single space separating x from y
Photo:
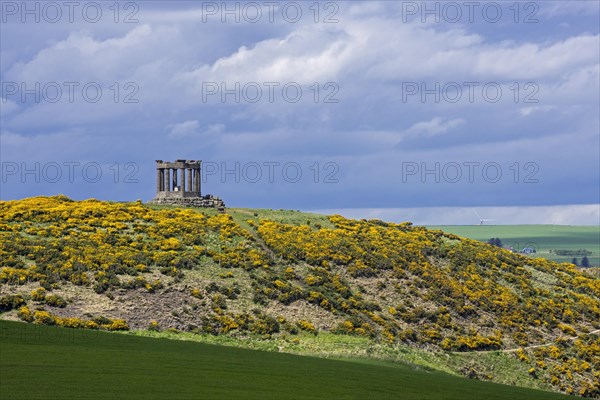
x=302 y=281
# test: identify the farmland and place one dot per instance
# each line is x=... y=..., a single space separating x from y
x=543 y=238
x=92 y=365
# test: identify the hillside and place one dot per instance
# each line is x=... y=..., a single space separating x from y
x=394 y=290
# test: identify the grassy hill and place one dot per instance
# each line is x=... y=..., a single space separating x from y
x=305 y=284
x=546 y=239
x=98 y=365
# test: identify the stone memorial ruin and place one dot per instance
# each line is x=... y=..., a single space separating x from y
x=178 y=183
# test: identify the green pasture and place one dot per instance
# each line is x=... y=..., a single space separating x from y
x=543 y=238
x=41 y=362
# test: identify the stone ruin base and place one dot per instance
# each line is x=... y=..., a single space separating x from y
x=207 y=201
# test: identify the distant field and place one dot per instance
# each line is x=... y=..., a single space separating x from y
x=541 y=237
x=40 y=362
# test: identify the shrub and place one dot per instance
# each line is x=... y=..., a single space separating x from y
x=522 y=356
x=346 y=327
x=154 y=326
x=531 y=371
x=71 y=322
x=408 y=335
x=290 y=273
x=172 y=271
x=118 y=325
x=218 y=301
x=212 y=287
x=101 y=286
x=307 y=326
x=260 y=298
x=152 y=287
x=11 y=302
x=56 y=301
x=101 y=320
x=567 y=329
x=38 y=294
x=91 y=325
x=25 y=314
x=43 y=317
x=264 y=325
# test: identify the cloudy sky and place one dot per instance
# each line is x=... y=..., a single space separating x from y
x=374 y=107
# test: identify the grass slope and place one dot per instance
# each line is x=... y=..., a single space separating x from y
x=41 y=362
x=542 y=237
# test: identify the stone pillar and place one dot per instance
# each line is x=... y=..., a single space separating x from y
x=168 y=179
x=158 y=181
x=182 y=176
x=197 y=180
x=162 y=179
x=189 y=180
x=174 y=178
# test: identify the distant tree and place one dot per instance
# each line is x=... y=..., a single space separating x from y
x=495 y=242
x=585 y=263
x=574 y=261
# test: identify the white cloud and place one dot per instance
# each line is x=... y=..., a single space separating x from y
x=304 y=56
x=367 y=49
x=536 y=61
x=525 y=111
x=378 y=50
x=182 y=129
x=433 y=127
x=192 y=128
x=81 y=57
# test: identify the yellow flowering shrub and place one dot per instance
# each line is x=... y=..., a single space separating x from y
x=118 y=325
x=43 y=318
x=307 y=326
x=10 y=302
x=567 y=329
x=38 y=294
x=25 y=314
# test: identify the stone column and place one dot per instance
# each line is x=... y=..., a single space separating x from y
x=174 y=178
x=162 y=179
x=182 y=176
x=168 y=179
x=158 y=181
x=189 y=180
x=197 y=180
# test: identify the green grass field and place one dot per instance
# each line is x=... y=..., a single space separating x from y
x=542 y=237
x=40 y=362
